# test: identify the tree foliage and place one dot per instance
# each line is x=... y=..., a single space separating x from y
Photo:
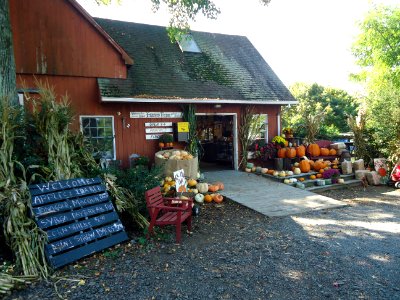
x=315 y=100
x=377 y=50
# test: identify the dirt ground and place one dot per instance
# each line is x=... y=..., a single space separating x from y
x=235 y=253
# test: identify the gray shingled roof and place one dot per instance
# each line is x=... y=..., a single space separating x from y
x=229 y=67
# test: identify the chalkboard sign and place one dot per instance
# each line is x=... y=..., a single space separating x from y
x=77 y=216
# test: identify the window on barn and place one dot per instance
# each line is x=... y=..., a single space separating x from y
x=98 y=132
x=264 y=128
x=188 y=44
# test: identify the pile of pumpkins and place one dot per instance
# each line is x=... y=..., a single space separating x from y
x=300 y=151
x=203 y=191
x=175 y=154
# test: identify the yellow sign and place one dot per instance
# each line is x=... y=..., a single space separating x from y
x=183 y=126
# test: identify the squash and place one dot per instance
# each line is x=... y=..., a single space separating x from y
x=258 y=169
x=248 y=170
x=282 y=174
x=324 y=151
x=312 y=177
x=319 y=175
x=311 y=162
x=318 y=165
x=332 y=152
x=321 y=171
x=290 y=152
x=213 y=188
x=264 y=170
x=305 y=166
x=208 y=198
x=202 y=187
x=341 y=180
x=168 y=179
x=218 y=198
x=301 y=179
x=270 y=171
x=199 y=198
x=296 y=164
x=195 y=191
x=300 y=151
x=287 y=181
x=220 y=185
x=282 y=153
x=253 y=169
x=275 y=173
x=192 y=182
x=314 y=150
x=335 y=167
x=289 y=173
x=297 y=171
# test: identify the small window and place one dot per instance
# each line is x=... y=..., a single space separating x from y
x=264 y=129
x=98 y=131
x=188 y=44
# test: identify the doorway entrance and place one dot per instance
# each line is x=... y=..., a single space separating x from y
x=218 y=136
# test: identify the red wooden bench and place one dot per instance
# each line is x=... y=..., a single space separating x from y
x=168 y=211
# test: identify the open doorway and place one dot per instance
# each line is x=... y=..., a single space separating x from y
x=218 y=136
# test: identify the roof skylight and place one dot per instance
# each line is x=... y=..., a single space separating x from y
x=188 y=44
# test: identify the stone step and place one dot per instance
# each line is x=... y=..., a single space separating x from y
x=347 y=183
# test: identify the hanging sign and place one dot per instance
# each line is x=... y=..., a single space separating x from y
x=180 y=181
x=183 y=126
x=144 y=115
x=158 y=130
x=158 y=124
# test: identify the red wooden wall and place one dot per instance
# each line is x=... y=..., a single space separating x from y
x=52 y=37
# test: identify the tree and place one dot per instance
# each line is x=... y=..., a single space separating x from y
x=377 y=51
x=315 y=100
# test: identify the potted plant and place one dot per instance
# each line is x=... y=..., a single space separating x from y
x=280 y=141
x=331 y=175
x=165 y=140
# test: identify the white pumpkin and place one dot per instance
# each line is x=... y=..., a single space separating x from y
x=296 y=164
x=293 y=180
x=287 y=181
x=289 y=173
x=341 y=180
x=264 y=170
x=253 y=169
x=248 y=170
x=282 y=174
x=199 y=198
x=202 y=187
x=297 y=171
x=275 y=173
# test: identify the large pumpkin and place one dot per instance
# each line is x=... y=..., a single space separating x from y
x=324 y=151
x=208 y=198
x=290 y=152
x=282 y=153
x=332 y=152
x=318 y=165
x=314 y=150
x=300 y=151
x=218 y=198
x=202 y=187
x=304 y=166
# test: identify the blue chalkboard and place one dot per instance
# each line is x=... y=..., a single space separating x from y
x=77 y=216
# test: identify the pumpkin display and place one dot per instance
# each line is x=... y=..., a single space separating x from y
x=300 y=151
x=305 y=166
x=312 y=177
x=332 y=152
x=297 y=171
x=318 y=165
x=324 y=151
x=192 y=182
x=208 y=198
x=202 y=187
x=213 y=188
x=220 y=185
x=290 y=152
x=314 y=150
x=218 y=198
x=282 y=153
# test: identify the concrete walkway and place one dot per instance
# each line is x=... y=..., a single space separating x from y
x=269 y=197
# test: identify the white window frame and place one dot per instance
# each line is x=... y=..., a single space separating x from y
x=113 y=129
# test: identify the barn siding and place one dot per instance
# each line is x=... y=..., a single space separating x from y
x=52 y=37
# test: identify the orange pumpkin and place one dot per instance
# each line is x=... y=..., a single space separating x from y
x=220 y=185
x=304 y=166
x=314 y=150
x=313 y=177
x=318 y=165
x=332 y=152
x=335 y=167
x=300 y=151
x=161 y=145
x=319 y=175
x=212 y=188
x=282 y=153
x=301 y=179
x=218 y=198
x=270 y=171
x=311 y=162
x=208 y=198
x=321 y=171
x=324 y=151
x=290 y=152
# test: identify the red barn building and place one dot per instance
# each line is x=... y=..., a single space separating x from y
x=127 y=82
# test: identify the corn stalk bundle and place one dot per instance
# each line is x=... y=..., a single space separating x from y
x=357 y=126
x=8 y=282
x=189 y=115
x=312 y=125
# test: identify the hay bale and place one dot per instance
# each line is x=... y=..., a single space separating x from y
x=360 y=174
x=347 y=167
x=373 y=178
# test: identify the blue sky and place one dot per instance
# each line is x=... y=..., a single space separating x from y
x=308 y=40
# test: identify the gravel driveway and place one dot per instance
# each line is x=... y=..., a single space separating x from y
x=236 y=253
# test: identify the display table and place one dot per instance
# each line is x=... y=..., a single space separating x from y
x=189 y=166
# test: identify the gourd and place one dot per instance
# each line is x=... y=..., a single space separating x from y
x=213 y=188
x=305 y=166
x=318 y=165
x=290 y=152
x=332 y=152
x=199 y=198
x=297 y=171
x=282 y=174
x=248 y=170
x=218 y=198
x=289 y=173
x=253 y=169
x=258 y=169
x=301 y=179
x=192 y=182
x=300 y=151
x=202 y=187
x=264 y=170
x=312 y=177
x=324 y=151
x=287 y=181
x=208 y=198
x=195 y=191
x=314 y=150
x=296 y=164
x=275 y=173
x=319 y=175
x=300 y=185
x=271 y=172
x=341 y=180
x=220 y=185
x=168 y=178
x=282 y=153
